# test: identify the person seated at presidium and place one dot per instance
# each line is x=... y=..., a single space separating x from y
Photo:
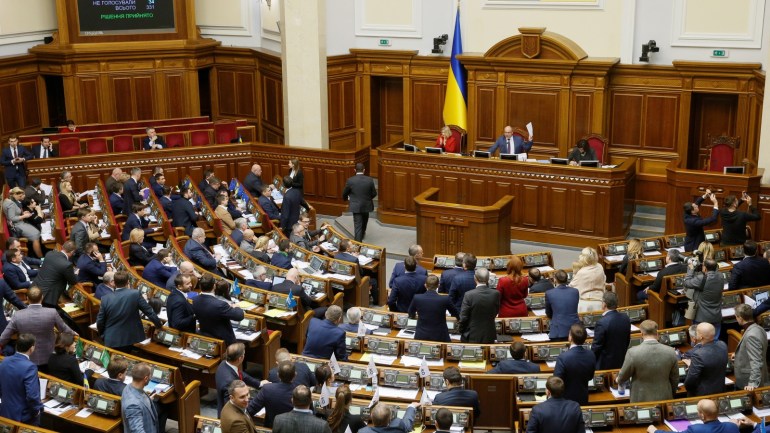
x=582 y=152
x=447 y=141
x=509 y=143
x=153 y=141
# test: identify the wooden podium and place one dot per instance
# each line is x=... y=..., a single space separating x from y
x=446 y=228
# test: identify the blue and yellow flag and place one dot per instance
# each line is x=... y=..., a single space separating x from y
x=291 y=303
x=456 y=100
x=236 y=288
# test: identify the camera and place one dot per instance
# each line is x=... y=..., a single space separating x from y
x=696 y=261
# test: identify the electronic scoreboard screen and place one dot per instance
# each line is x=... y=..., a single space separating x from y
x=125 y=17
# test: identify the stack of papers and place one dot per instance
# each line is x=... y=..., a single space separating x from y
x=536 y=337
x=481 y=365
x=406 y=394
x=616 y=258
x=413 y=361
x=378 y=359
x=70 y=307
x=190 y=354
x=539 y=312
x=246 y=305
x=275 y=312
x=57 y=408
x=363 y=260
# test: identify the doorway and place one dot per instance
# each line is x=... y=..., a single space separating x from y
x=713 y=114
x=387 y=94
x=54 y=95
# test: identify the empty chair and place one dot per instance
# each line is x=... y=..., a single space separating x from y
x=225 y=132
x=96 y=145
x=174 y=139
x=69 y=146
x=123 y=143
x=200 y=138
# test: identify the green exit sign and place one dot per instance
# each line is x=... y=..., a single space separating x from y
x=719 y=53
x=384 y=42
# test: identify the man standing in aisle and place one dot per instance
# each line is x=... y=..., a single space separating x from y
x=360 y=191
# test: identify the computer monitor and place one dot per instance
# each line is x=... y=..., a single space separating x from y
x=480 y=154
x=411 y=148
x=561 y=161
x=434 y=150
x=734 y=169
x=590 y=163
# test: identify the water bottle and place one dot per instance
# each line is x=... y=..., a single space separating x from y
x=622 y=388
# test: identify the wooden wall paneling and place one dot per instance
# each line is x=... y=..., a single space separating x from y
x=123 y=98
x=626 y=122
x=226 y=90
x=9 y=107
x=145 y=93
x=423 y=181
x=660 y=123
x=272 y=107
x=450 y=189
x=478 y=193
x=529 y=205
x=763 y=226
x=581 y=117
x=585 y=216
x=428 y=106
x=172 y=175
x=246 y=94
x=28 y=95
x=89 y=89
x=313 y=175
x=401 y=183
x=556 y=216
x=176 y=98
x=542 y=108
x=486 y=114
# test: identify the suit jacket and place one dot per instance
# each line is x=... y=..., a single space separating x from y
x=323 y=339
x=714 y=426
x=134 y=222
x=519 y=145
x=398 y=270
x=709 y=299
x=750 y=272
x=214 y=316
x=210 y=194
x=138 y=255
x=300 y=422
x=298 y=180
x=131 y=195
x=653 y=368
x=459 y=397
x=52 y=153
x=404 y=289
x=79 y=235
x=430 y=309
x=360 y=191
x=556 y=415
x=693 y=227
x=561 y=306
x=403 y=425
x=20 y=389
x=462 y=283
x=40 y=322
x=296 y=290
x=268 y=205
x=671 y=269
x=275 y=398
x=54 y=276
x=706 y=374
x=111 y=386
x=750 y=364
x=10 y=296
x=253 y=184
x=200 y=255
x=228 y=224
x=477 y=316
x=36 y=194
x=167 y=203
x=224 y=376
x=117 y=203
x=15 y=171
x=292 y=201
x=139 y=414
x=734 y=223
x=304 y=375
x=157 y=273
x=281 y=260
x=118 y=321
x=611 y=340
x=446 y=279
x=576 y=367
x=158 y=140
x=235 y=420
x=515 y=366
x=90 y=269
x=180 y=312
x=541 y=286
x=15 y=277
x=184 y=215
x=102 y=290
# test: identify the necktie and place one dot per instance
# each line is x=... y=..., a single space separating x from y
x=508 y=146
x=240 y=374
x=45 y=152
x=13 y=152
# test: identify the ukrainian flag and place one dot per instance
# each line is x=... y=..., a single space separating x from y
x=456 y=100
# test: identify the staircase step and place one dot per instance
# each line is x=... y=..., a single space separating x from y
x=657 y=210
x=640 y=231
x=647 y=219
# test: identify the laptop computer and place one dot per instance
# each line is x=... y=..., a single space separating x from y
x=315 y=265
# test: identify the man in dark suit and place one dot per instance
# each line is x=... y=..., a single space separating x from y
x=303 y=374
x=576 y=366
x=210 y=193
x=160 y=269
x=693 y=223
x=405 y=287
x=430 y=309
x=91 y=265
x=233 y=418
x=13 y=242
x=195 y=249
x=561 y=306
x=398 y=269
x=752 y=271
x=16 y=273
x=267 y=203
x=79 y=230
x=167 y=201
x=118 y=321
x=292 y=201
x=116 y=198
x=34 y=192
x=14 y=159
x=44 y=149
x=183 y=213
x=556 y=414
x=464 y=281
x=444 y=420
x=153 y=141
x=324 y=337
x=538 y=284
x=274 y=397
x=456 y=394
x=477 y=315
x=55 y=274
x=291 y=284
x=360 y=191
x=516 y=364
x=204 y=183
x=232 y=369
x=674 y=265
x=179 y=311
x=214 y=315
x=301 y=419
x=448 y=275
x=281 y=257
x=384 y=422
x=509 y=143
x=19 y=384
x=137 y=220
x=107 y=285
x=707 y=364
x=131 y=193
x=116 y=372
x=611 y=335
x=253 y=181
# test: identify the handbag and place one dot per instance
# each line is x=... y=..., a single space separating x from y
x=692 y=306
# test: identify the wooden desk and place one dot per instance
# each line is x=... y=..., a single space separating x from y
x=558 y=204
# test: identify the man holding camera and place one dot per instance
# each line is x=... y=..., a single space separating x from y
x=693 y=223
x=734 y=221
x=704 y=285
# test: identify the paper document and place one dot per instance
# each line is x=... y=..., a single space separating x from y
x=481 y=365
x=617 y=258
x=363 y=260
x=413 y=361
x=405 y=333
x=748 y=300
x=761 y=412
x=728 y=312
x=406 y=394
x=550 y=364
x=545 y=268
x=378 y=359
x=43 y=387
x=84 y=413
x=536 y=337
x=539 y=312
x=651 y=253
x=529 y=130
x=617 y=394
x=634 y=328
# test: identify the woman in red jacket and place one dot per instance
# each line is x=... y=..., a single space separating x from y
x=447 y=141
x=513 y=289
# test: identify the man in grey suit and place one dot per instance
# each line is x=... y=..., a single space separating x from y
x=118 y=321
x=139 y=414
x=706 y=294
x=38 y=321
x=652 y=366
x=79 y=230
x=707 y=364
x=479 y=308
x=749 y=359
x=301 y=419
x=360 y=191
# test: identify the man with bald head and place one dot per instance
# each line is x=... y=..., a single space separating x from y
x=185 y=268
x=292 y=283
x=253 y=181
x=509 y=143
x=115 y=178
x=708 y=413
x=381 y=420
x=707 y=363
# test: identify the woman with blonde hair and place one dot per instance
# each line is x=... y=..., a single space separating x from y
x=513 y=289
x=707 y=250
x=138 y=255
x=68 y=201
x=447 y=141
x=589 y=279
x=260 y=249
x=633 y=252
